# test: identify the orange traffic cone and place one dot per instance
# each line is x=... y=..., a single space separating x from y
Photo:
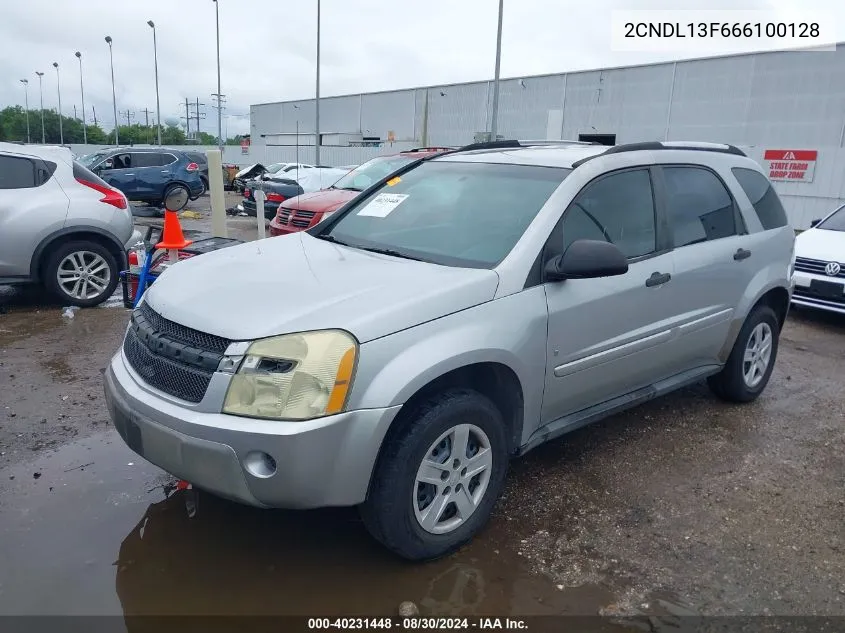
x=171 y=236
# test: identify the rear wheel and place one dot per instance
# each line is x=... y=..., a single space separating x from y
x=173 y=189
x=81 y=273
x=752 y=358
x=438 y=480
x=204 y=189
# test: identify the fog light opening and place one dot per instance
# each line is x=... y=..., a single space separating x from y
x=260 y=464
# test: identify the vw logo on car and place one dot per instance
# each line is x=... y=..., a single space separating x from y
x=832 y=269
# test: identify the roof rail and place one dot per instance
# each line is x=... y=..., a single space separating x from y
x=514 y=143
x=533 y=143
x=722 y=148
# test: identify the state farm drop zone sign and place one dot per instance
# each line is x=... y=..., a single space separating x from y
x=794 y=165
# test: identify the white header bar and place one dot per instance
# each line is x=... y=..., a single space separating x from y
x=722 y=32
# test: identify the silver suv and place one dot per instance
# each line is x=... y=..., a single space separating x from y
x=60 y=225
x=460 y=312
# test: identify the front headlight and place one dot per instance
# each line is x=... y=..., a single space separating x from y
x=294 y=376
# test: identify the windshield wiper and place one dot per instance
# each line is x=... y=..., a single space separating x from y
x=331 y=238
x=390 y=252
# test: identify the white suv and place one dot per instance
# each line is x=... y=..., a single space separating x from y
x=820 y=264
x=60 y=225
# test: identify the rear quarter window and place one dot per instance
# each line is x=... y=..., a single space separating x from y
x=763 y=198
x=83 y=173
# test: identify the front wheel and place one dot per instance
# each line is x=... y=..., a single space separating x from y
x=175 y=189
x=752 y=359
x=437 y=481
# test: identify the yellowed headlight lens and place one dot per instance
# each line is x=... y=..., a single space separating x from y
x=294 y=376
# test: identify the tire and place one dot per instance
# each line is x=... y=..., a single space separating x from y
x=389 y=513
x=171 y=188
x=65 y=261
x=732 y=382
x=204 y=189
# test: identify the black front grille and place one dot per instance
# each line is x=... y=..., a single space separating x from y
x=176 y=359
x=302 y=224
x=170 y=377
x=816 y=266
x=184 y=334
x=284 y=216
x=305 y=214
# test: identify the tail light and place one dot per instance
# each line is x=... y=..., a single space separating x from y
x=275 y=197
x=112 y=196
x=247 y=193
x=192 y=167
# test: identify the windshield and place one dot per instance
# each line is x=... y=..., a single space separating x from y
x=835 y=221
x=272 y=169
x=449 y=212
x=371 y=172
x=92 y=159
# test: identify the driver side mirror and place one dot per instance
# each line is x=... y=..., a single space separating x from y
x=814 y=223
x=587 y=259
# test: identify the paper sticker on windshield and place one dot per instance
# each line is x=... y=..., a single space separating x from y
x=383 y=204
x=394 y=181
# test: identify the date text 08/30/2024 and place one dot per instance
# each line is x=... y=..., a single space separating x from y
x=416 y=624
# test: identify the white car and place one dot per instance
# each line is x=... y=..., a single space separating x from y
x=820 y=264
x=319 y=178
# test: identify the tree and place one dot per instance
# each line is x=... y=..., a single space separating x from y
x=13 y=127
x=172 y=135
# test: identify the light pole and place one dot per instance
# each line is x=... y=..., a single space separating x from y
x=59 y=87
x=155 y=60
x=219 y=92
x=317 y=100
x=296 y=107
x=113 y=95
x=25 y=83
x=494 y=124
x=82 y=91
x=41 y=92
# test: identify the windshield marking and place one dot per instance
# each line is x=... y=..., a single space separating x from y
x=383 y=204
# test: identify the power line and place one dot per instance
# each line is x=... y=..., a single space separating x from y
x=129 y=114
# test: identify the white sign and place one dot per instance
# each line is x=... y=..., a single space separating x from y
x=793 y=165
x=383 y=204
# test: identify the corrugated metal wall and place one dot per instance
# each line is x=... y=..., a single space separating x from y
x=776 y=100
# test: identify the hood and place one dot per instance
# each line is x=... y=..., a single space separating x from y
x=252 y=170
x=821 y=244
x=321 y=201
x=296 y=282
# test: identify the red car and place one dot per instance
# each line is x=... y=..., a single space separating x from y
x=306 y=210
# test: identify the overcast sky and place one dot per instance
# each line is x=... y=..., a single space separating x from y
x=268 y=47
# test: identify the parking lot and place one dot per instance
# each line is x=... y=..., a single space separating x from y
x=684 y=505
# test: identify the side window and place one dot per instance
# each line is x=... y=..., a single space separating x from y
x=618 y=208
x=122 y=161
x=17 y=173
x=166 y=159
x=762 y=196
x=699 y=206
x=145 y=159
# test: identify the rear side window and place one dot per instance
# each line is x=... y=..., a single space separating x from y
x=17 y=172
x=197 y=157
x=762 y=196
x=83 y=173
x=699 y=206
x=146 y=159
x=166 y=159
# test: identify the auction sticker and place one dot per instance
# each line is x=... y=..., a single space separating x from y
x=383 y=204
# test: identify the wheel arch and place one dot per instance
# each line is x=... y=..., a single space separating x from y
x=72 y=234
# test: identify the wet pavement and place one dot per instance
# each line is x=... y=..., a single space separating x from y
x=684 y=505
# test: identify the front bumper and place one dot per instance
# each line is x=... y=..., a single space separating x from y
x=803 y=295
x=322 y=462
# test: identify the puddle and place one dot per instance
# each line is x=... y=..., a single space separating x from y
x=95 y=533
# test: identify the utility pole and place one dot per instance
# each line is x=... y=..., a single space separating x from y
x=187 y=119
x=75 y=116
x=317 y=100
x=220 y=141
x=25 y=83
x=94 y=110
x=147 y=113
x=220 y=105
x=197 y=115
x=129 y=114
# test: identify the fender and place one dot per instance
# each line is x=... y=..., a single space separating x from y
x=395 y=367
x=113 y=242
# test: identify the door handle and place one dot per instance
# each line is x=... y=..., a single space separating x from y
x=657 y=279
x=741 y=254
x=128 y=174
x=165 y=172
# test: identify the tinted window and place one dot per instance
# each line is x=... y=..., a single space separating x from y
x=17 y=173
x=196 y=157
x=452 y=213
x=761 y=194
x=835 y=221
x=700 y=208
x=120 y=161
x=146 y=159
x=618 y=208
x=83 y=173
x=167 y=159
